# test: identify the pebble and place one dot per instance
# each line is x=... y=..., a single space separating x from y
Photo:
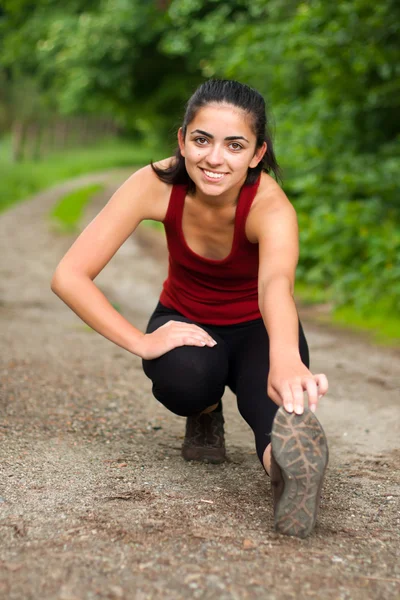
x=337 y=559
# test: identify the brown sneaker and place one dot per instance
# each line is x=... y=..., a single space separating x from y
x=299 y=458
x=204 y=439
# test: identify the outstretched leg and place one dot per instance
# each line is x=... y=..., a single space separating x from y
x=292 y=448
x=248 y=379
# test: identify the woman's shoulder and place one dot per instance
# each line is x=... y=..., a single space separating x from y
x=270 y=196
x=271 y=211
x=270 y=207
x=148 y=174
x=144 y=187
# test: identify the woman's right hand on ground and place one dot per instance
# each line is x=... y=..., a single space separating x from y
x=172 y=335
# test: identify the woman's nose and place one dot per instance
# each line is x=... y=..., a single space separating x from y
x=215 y=155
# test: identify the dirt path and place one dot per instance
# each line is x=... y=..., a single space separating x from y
x=96 y=501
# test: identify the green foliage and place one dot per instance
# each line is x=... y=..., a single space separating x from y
x=329 y=71
x=95 y=57
x=351 y=251
x=68 y=211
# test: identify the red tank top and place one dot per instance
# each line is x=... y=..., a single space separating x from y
x=218 y=292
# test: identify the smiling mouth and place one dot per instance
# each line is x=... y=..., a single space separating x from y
x=213 y=174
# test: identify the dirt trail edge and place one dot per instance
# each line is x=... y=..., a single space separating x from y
x=95 y=500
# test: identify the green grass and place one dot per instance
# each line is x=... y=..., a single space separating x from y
x=19 y=181
x=383 y=327
x=68 y=211
x=153 y=224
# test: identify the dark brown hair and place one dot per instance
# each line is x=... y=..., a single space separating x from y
x=239 y=95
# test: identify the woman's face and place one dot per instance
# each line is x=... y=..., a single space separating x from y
x=218 y=148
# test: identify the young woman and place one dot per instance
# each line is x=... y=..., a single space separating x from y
x=226 y=315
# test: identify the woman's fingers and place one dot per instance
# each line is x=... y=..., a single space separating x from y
x=298 y=397
x=287 y=396
x=291 y=396
x=174 y=334
x=194 y=340
x=206 y=340
x=312 y=392
x=322 y=382
x=292 y=392
x=184 y=331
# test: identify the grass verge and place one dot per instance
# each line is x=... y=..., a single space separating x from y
x=68 y=211
x=153 y=224
x=19 y=181
x=383 y=327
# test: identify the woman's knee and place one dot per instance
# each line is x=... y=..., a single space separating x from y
x=187 y=400
x=188 y=379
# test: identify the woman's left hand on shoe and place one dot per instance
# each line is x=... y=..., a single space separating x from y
x=287 y=383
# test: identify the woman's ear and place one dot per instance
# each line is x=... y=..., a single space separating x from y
x=181 y=141
x=258 y=155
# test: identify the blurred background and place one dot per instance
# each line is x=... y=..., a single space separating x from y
x=89 y=85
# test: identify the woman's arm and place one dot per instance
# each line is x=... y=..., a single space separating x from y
x=142 y=196
x=273 y=223
x=73 y=279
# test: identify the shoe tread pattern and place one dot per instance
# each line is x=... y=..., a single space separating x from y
x=301 y=451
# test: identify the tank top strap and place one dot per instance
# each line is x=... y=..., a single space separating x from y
x=174 y=212
x=173 y=217
x=246 y=198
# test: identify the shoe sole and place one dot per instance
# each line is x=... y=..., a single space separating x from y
x=201 y=455
x=300 y=449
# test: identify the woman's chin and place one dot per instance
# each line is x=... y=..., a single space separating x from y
x=210 y=187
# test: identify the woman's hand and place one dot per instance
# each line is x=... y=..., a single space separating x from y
x=172 y=335
x=288 y=381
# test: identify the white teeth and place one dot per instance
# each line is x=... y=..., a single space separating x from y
x=213 y=175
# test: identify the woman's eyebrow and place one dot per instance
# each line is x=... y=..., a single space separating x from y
x=229 y=138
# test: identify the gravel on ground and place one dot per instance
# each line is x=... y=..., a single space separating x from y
x=95 y=499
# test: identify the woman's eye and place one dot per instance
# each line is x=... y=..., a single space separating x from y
x=201 y=141
x=236 y=146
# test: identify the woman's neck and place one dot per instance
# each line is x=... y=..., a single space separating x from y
x=228 y=198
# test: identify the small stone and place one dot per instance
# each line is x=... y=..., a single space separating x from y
x=191 y=577
x=13 y=566
x=116 y=591
x=248 y=544
x=337 y=559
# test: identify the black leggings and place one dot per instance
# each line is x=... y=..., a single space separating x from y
x=189 y=379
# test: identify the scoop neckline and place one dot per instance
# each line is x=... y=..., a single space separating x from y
x=217 y=261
